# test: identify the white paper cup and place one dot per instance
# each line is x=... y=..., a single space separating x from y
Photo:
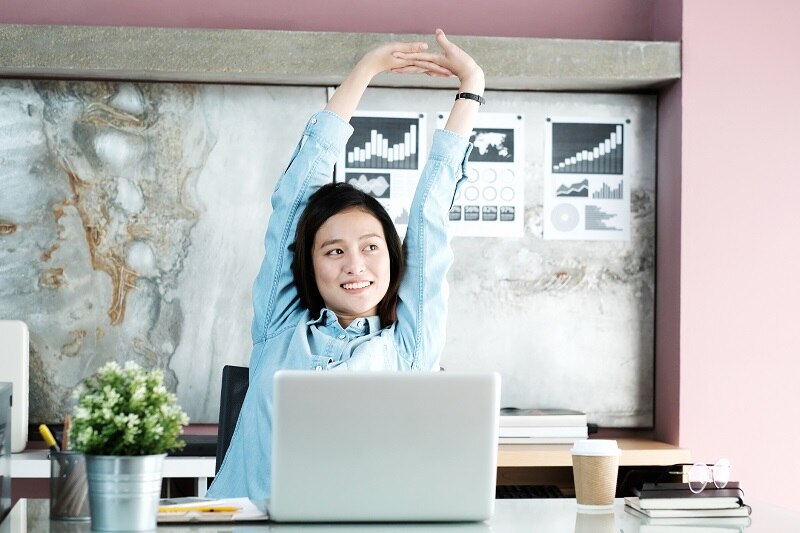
x=595 y=464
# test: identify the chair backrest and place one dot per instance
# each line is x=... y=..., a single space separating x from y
x=235 y=381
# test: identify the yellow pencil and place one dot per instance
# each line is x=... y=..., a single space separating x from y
x=48 y=438
x=199 y=509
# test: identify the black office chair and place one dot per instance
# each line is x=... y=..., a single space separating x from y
x=235 y=381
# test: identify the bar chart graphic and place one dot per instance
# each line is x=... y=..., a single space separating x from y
x=587 y=148
x=383 y=142
x=607 y=193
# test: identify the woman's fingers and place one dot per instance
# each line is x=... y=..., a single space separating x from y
x=408 y=69
x=433 y=61
x=430 y=66
x=418 y=69
x=411 y=48
x=442 y=39
x=436 y=57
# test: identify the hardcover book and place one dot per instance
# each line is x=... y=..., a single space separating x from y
x=512 y=416
x=678 y=496
x=738 y=511
x=576 y=432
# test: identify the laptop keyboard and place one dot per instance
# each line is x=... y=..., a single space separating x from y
x=527 y=491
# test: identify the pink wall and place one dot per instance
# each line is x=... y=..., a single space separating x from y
x=740 y=252
x=576 y=19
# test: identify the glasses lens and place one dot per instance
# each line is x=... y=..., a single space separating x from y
x=722 y=473
x=698 y=477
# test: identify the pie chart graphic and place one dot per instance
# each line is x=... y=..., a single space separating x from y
x=564 y=217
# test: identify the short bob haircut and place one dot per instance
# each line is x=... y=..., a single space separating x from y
x=329 y=200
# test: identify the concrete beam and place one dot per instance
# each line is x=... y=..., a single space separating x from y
x=320 y=58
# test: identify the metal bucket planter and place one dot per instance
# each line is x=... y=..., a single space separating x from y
x=124 y=491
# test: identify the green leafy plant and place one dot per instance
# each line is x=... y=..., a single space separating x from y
x=126 y=411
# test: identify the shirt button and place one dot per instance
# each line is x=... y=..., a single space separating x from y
x=360 y=323
x=342 y=335
x=319 y=368
x=313 y=121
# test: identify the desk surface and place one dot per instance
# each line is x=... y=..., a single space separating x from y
x=35 y=464
x=635 y=452
x=511 y=516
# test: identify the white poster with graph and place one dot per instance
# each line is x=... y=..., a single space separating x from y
x=587 y=182
x=490 y=203
x=384 y=158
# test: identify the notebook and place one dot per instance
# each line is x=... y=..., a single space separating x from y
x=384 y=446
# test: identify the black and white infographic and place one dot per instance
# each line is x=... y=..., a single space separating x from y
x=490 y=202
x=587 y=190
x=384 y=158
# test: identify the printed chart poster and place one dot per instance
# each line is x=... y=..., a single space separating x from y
x=587 y=185
x=384 y=158
x=490 y=202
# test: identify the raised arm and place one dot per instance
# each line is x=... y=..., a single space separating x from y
x=422 y=310
x=455 y=60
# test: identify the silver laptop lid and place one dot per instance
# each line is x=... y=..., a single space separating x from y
x=384 y=446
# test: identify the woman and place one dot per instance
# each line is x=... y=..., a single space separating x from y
x=343 y=296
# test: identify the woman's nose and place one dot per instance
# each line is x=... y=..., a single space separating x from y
x=355 y=266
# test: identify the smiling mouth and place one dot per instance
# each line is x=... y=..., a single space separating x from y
x=356 y=285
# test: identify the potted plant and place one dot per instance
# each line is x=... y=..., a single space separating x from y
x=125 y=422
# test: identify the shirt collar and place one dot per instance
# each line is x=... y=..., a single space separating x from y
x=362 y=325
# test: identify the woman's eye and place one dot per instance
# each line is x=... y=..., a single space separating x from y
x=372 y=247
x=335 y=251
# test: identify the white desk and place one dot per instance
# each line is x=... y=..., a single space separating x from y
x=34 y=464
x=511 y=516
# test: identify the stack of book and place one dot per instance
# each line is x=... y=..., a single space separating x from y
x=664 y=507
x=542 y=426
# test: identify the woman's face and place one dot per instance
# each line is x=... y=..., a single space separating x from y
x=351 y=264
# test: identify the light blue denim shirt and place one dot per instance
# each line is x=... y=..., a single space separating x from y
x=286 y=336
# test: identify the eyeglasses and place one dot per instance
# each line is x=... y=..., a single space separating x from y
x=700 y=474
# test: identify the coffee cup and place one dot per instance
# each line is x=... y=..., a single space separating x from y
x=595 y=463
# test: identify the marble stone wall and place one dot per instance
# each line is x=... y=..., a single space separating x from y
x=131 y=227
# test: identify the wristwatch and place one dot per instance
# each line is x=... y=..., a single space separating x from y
x=471 y=96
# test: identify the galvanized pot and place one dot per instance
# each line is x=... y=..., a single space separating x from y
x=124 y=491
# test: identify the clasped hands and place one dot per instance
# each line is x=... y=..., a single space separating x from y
x=414 y=57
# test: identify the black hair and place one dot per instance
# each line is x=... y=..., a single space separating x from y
x=329 y=200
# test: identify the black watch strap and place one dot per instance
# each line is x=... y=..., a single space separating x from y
x=471 y=96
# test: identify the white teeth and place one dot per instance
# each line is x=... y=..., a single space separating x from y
x=359 y=285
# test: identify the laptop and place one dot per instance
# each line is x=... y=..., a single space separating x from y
x=384 y=446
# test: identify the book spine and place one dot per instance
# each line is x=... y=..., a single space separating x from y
x=689 y=495
x=566 y=431
x=543 y=421
x=538 y=440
